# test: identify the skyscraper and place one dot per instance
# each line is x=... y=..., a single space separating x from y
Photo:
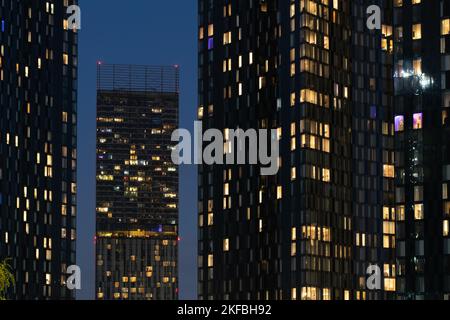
x=38 y=150
x=313 y=71
x=137 y=183
x=422 y=101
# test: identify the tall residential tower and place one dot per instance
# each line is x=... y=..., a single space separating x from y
x=422 y=143
x=137 y=183
x=312 y=70
x=38 y=96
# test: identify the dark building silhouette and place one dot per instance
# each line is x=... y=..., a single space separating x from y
x=38 y=150
x=312 y=70
x=137 y=183
x=422 y=143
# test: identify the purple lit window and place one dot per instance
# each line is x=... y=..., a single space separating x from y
x=373 y=112
x=399 y=123
x=3 y=25
x=210 y=43
x=417 y=121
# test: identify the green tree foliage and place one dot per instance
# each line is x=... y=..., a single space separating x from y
x=6 y=278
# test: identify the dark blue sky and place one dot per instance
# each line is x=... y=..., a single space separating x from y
x=149 y=32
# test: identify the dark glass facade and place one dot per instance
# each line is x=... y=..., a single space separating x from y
x=38 y=151
x=422 y=101
x=137 y=183
x=311 y=70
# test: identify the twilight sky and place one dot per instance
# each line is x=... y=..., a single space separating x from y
x=145 y=32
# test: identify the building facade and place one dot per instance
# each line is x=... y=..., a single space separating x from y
x=137 y=183
x=38 y=150
x=422 y=101
x=313 y=71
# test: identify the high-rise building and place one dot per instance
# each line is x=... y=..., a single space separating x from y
x=422 y=143
x=38 y=150
x=137 y=183
x=312 y=70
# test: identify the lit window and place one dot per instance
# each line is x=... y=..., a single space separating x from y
x=445 y=27
x=417 y=31
x=400 y=211
x=326 y=175
x=417 y=121
x=226 y=244
x=227 y=38
x=388 y=171
x=389 y=227
x=399 y=123
x=389 y=284
x=279 y=192
x=446 y=228
x=418 y=212
x=210 y=261
x=210 y=30
x=293 y=173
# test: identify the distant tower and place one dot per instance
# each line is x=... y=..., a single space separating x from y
x=137 y=183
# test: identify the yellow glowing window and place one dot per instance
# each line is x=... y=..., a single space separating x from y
x=326 y=145
x=292 y=55
x=210 y=261
x=326 y=294
x=292 y=99
x=388 y=171
x=446 y=228
x=418 y=211
x=200 y=113
x=226 y=189
x=293 y=173
x=311 y=7
x=279 y=192
x=389 y=227
x=210 y=30
x=310 y=96
x=389 y=284
x=226 y=245
x=293 y=249
x=227 y=38
x=417 y=31
x=336 y=4
x=326 y=175
x=293 y=144
x=210 y=219
x=66 y=58
x=445 y=27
